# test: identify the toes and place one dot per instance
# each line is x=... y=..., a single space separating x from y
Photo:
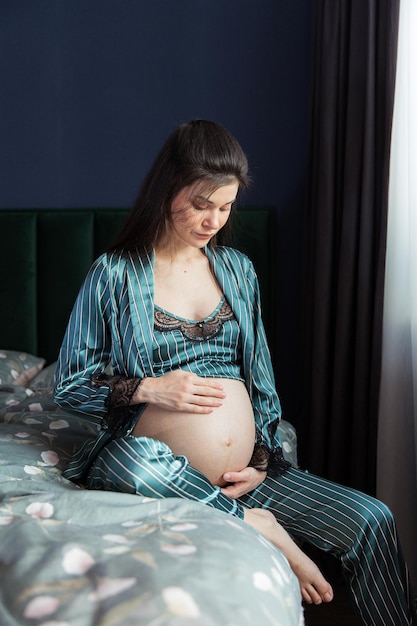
x=311 y=595
x=328 y=596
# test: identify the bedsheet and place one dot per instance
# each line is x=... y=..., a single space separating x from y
x=73 y=557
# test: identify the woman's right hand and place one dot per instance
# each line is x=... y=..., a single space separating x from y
x=180 y=391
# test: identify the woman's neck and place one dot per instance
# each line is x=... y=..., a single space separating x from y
x=174 y=254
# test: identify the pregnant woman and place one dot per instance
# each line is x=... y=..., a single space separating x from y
x=166 y=346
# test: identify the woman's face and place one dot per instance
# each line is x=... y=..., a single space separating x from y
x=197 y=215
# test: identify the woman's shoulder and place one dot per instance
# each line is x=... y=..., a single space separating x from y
x=233 y=256
x=121 y=259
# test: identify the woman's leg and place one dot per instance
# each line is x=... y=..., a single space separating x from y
x=313 y=586
x=357 y=529
x=149 y=468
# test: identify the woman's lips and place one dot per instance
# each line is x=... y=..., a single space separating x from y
x=204 y=235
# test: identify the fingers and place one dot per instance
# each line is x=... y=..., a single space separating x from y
x=241 y=482
x=235 y=477
x=246 y=480
x=206 y=391
x=202 y=392
x=234 y=491
x=183 y=391
x=192 y=383
x=207 y=387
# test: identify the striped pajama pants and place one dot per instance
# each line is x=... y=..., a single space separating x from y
x=357 y=529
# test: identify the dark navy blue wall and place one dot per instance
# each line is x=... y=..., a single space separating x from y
x=90 y=89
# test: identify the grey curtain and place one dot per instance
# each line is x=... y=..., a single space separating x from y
x=397 y=424
x=352 y=92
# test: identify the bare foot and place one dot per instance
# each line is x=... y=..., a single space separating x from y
x=314 y=587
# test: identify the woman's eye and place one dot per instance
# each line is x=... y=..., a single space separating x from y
x=199 y=207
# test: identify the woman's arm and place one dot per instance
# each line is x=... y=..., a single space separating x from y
x=175 y=391
x=237 y=277
x=260 y=374
x=86 y=347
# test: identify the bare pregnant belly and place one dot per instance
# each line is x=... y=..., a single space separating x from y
x=214 y=443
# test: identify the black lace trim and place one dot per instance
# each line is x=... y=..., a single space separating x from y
x=260 y=458
x=196 y=331
x=264 y=460
x=119 y=409
x=277 y=464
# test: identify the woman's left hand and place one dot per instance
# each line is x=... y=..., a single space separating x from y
x=242 y=482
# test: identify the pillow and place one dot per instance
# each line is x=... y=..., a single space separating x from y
x=11 y=397
x=288 y=438
x=19 y=368
x=45 y=379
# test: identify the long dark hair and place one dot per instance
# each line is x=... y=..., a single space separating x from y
x=198 y=151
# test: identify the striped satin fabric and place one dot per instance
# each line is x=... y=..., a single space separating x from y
x=118 y=295
x=357 y=529
x=112 y=322
x=219 y=356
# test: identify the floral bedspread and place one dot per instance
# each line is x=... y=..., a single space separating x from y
x=72 y=557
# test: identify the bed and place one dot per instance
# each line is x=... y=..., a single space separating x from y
x=72 y=557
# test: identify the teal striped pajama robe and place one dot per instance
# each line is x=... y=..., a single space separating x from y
x=113 y=323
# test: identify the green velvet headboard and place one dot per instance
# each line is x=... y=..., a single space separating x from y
x=45 y=254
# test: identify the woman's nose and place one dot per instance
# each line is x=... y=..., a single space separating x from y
x=212 y=219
